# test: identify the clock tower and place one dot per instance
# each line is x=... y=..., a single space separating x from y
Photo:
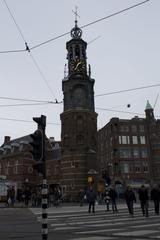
x=78 y=120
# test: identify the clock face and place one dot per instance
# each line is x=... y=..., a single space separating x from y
x=78 y=65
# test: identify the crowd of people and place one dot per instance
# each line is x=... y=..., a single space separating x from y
x=32 y=197
x=143 y=195
x=110 y=198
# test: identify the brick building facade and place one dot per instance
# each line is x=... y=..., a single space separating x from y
x=129 y=150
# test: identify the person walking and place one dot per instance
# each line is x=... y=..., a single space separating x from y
x=113 y=197
x=81 y=197
x=155 y=196
x=143 y=198
x=12 y=196
x=130 y=199
x=91 y=198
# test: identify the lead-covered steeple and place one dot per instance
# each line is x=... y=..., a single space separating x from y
x=149 y=111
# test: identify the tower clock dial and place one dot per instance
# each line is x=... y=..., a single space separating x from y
x=78 y=65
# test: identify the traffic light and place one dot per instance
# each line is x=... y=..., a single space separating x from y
x=37 y=145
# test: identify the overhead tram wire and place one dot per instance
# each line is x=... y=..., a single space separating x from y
x=91 y=23
x=119 y=111
x=26 y=121
x=125 y=112
x=64 y=34
x=127 y=90
x=25 y=104
x=28 y=49
x=27 y=100
x=98 y=95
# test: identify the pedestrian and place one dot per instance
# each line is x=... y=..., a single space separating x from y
x=113 y=197
x=81 y=197
x=12 y=196
x=130 y=199
x=56 y=196
x=27 y=196
x=91 y=198
x=143 y=198
x=155 y=196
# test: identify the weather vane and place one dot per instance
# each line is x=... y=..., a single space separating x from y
x=76 y=13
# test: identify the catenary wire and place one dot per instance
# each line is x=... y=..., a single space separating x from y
x=28 y=49
x=86 y=25
x=119 y=111
x=127 y=90
x=22 y=120
x=98 y=95
x=91 y=23
x=25 y=104
x=14 y=20
x=42 y=75
x=26 y=100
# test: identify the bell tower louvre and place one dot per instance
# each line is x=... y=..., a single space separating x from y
x=78 y=119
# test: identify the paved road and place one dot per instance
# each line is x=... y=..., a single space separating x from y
x=18 y=223
x=75 y=223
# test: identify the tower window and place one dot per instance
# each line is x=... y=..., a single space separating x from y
x=77 y=51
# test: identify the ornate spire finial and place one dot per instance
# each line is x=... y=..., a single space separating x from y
x=76 y=15
x=76 y=32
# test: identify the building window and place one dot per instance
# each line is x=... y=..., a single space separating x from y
x=124 y=140
x=125 y=153
x=144 y=153
x=124 y=168
x=136 y=153
x=135 y=139
x=134 y=128
x=141 y=128
x=145 y=167
x=142 y=140
x=124 y=128
x=137 y=168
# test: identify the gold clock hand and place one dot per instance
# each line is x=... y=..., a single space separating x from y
x=79 y=63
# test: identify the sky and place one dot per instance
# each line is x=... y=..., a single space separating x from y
x=123 y=52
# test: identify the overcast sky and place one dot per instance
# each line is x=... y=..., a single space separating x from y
x=123 y=54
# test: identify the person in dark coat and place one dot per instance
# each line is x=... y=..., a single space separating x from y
x=113 y=197
x=130 y=199
x=143 y=197
x=155 y=196
x=91 y=198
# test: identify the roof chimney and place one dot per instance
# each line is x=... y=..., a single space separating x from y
x=7 y=139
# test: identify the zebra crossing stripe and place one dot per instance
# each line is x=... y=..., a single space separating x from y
x=135 y=233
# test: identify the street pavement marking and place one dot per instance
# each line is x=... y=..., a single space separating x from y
x=98 y=231
x=135 y=233
x=146 y=225
x=65 y=228
x=94 y=238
